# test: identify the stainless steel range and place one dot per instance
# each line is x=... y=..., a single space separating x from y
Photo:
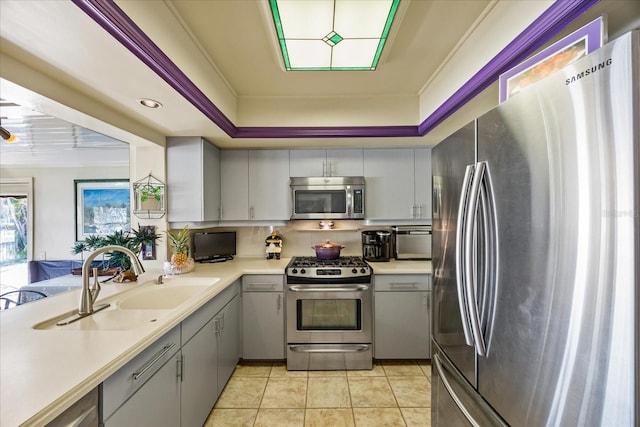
x=329 y=314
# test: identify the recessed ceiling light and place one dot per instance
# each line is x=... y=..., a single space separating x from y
x=332 y=35
x=151 y=103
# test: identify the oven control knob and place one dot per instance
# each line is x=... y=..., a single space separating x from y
x=303 y=271
x=294 y=271
x=362 y=270
x=354 y=271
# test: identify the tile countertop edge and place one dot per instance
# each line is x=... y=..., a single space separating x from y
x=16 y=409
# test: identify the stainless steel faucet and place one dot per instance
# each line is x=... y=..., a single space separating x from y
x=89 y=295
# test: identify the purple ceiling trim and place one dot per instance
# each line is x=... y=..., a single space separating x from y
x=327 y=132
x=544 y=28
x=110 y=17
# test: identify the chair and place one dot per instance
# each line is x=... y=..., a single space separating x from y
x=19 y=297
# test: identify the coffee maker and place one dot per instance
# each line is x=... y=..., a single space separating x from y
x=376 y=245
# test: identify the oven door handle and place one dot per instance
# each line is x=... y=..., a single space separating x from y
x=342 y=348
x=315 y=288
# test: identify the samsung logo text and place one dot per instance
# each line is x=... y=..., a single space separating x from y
x=588 y=71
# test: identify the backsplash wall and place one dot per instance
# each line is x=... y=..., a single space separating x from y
x=298 y=238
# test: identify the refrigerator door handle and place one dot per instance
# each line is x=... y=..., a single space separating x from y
x=470 y=271
x=460 y=232
x=447 y=385
x=489 y=259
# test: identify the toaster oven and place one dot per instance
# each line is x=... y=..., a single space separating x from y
x=412 y=242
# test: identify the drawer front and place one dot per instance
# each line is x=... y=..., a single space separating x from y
x=121 y=385
x=402 y=282
x=263 y=283
x=195 y=322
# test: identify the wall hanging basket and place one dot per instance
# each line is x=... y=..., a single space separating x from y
x=149 y=198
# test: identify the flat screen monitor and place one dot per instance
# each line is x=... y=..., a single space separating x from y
x=214 y=246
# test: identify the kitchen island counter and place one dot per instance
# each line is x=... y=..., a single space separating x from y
x=43 y=372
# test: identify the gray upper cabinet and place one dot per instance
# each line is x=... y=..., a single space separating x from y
x=193 y=180
x=398 y=183
x=255 y=185
x=269 y=185
x=333 y=162
x=422 y=183
x=234 y=175
x=389 y=176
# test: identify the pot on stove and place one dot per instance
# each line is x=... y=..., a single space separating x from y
x=328 y=250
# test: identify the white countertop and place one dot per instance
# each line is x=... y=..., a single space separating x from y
x=43 y=372
x=401 y=267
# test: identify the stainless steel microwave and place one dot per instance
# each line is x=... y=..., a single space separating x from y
x=328 y=197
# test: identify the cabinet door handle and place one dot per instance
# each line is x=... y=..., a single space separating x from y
x=251 y=212
x=180 y=367
x=279 y=303
x=153 y=361
x=217 y=326
x=261 y=286
x=410 y=285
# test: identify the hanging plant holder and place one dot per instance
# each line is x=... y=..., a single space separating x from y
x=149 y=194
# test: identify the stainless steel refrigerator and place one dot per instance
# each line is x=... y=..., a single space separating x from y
x=536 y=253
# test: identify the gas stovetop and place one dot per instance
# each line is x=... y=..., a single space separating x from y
x=346 y=267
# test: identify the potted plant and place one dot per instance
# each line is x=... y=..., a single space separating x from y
x=117 y=261
x=151 y=197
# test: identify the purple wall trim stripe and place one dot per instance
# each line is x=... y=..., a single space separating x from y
x=327 y=132
x=543 y=29
x=110 y=17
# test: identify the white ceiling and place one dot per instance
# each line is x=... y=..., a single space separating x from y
x=44 y=140
x=227 y=49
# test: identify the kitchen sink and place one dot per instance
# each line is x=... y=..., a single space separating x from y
x=162 y=297
x=135 y=308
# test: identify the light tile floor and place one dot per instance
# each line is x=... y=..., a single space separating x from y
x=393 y=393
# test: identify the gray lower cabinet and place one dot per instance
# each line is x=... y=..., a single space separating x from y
x=177 y=380
x=263 y=317
x=208 y=358
x=228 y=336
x=402 y=309
x=157 y=403
x=199 y=375
x=150 y=381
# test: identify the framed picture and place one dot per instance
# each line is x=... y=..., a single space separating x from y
x=102 y=207
x=560 y=54
x=149 y=247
